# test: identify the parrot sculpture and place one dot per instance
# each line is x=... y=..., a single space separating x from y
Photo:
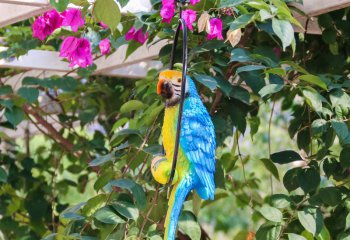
x=196 y=157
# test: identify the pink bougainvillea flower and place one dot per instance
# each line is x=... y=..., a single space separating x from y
x=105 y=46
x=77 y=51
x=215 y=29
x=194 y=2
x=190 y=17
x=138 y=35
x=103 y=25
x=72 y=17
x=168 y=2
x=167 y=12
x=130 y=34
x=46 y=24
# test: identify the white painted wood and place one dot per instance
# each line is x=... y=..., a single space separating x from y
x=318 y=7
x=117 y=59
x=27 y=2
x=137 y=70
x=310 y=27
x=114 y=64
x=37 y=59
x=10 y=13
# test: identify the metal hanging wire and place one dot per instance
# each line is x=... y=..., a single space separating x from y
x=181 y=25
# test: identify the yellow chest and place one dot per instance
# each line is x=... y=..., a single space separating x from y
x=169 y=135
x=169 y=130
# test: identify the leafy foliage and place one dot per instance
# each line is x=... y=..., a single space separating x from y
x=88 y=177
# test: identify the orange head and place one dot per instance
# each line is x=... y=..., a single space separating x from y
x=169 y=84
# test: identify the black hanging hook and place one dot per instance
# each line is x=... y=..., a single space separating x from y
x=181 y=23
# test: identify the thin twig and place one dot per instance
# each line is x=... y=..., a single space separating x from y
x=269 y=141
x=155 y=198
x=244 y=175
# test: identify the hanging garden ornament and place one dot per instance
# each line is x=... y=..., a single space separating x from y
x=196 y=158
x=188 y=162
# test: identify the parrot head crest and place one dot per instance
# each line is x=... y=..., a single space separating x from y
x=169 y=86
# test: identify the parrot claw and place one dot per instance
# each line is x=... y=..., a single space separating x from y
x=161 y=170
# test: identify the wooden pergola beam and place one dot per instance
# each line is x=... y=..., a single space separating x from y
x=35 y=3
x=318 y=7
x=10 y=13
x=119 y=60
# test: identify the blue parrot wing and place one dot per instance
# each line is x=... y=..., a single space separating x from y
x=198 y=142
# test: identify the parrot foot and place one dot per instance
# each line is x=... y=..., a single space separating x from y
x=161 y=170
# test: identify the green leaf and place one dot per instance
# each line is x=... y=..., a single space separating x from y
x=341 y=130
x=311 y=219
x=208 y=46
x=309 y=179
x=93 y=204
x=123 y=3
x=284 y=30
x=339 y=97
x=293 y=236
x=249 y=68
x=230 y=3
x=254 y=123
x=280 y=201
x=318 y=126
x=329 y=35
x=315 y=80
x=284 y=157
x=270 y=89
x=268 y=231
x=290 y=179
x=135 y=189
x=330 y=195
x=345 y=157
x=313 y=98
x=240 y=94
x=6 y=89
x=325 y=20
x=108 y=12
x=132 y=105
x=71 y=212
x=102 y=160
x=271 y=213
x=126 y=209
x=7 y=103
x=241 y=21
x=60 y=5
x=14 y=115
x=108 y=216
x=29 y=94
x=3 y=175
x=264 y=14
x=347 y=222
x=206 y=80
x=189 y=225
x=271 y=167
x=240 y=55
x=103 y=180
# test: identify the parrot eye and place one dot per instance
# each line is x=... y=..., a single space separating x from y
x=179 y=80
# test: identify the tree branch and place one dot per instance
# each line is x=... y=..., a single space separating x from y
x=54 y=134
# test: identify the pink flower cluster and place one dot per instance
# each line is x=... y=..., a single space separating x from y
x=46 y=24
x=168 y=11
x=215 y=29
x=138 y=35
x=76 y=50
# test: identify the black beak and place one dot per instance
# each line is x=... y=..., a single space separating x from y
x=166 y=89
